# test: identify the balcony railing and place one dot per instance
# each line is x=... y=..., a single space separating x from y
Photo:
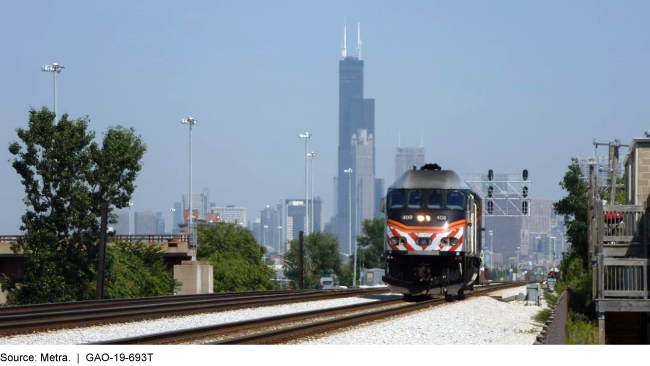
x=621 y=239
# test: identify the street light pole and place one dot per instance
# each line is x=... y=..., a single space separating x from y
x=306 y=136
x=54 y=69
x=131 y=227
x=312 y=155
x=191 y=121
x=491 y=249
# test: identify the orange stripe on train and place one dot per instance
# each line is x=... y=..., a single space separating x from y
x=427 y=229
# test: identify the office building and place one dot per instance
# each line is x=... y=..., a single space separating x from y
x=145 y=223
x=232 y=214
x=408 y=157
x=122 y=221
x=160 y=223
x=200 y=202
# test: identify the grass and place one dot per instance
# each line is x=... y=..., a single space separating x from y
x=542 y=316
x=579 y=330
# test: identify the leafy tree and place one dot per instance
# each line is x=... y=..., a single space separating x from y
x=372 y=238
x=235 y=257
x=574 y=209
x=137 y=270
x=321 y=251
x=66 y=177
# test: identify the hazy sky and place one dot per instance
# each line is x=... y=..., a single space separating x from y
x=505 y=85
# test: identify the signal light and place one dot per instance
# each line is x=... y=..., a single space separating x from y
x=490 y=174
x=524 y=207
x=490 y=207
x=525 y=174
x=490 y=191
x=525 y=193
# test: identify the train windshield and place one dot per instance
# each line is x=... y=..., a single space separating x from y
x=455 y=200
x=435 y=199
x=397 y=198
x=415 y=199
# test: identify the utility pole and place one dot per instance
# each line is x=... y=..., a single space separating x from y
x=99 y=291
x=301 y=261
x=613 y=165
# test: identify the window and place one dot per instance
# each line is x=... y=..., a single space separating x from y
x=397 y=199
x=455 y=200
x=415 y=199
x=435 y=199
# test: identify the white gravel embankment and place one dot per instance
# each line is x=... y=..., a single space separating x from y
x=477 y=320
x=123 y=330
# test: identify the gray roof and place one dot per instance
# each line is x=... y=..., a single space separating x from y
x=429 y=179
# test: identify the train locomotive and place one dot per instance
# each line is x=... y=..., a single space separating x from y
x=433 y=234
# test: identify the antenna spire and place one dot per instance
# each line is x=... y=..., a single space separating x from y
x=344 y=51
x=359 y=41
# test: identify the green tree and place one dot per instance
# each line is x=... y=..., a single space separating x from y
x=137 y=270
x=372 y=239
x=235 y=257
x=574 y=209
x=66 y=177
x=321 y=251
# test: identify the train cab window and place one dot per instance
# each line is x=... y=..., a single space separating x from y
x=397 y=198
x=435 y=199
x=415 y=199
x=455 y=200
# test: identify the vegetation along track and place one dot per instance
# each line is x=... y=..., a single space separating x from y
x=14 y=320
x=362 y=313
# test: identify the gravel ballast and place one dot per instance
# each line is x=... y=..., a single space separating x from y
x=474 y=321
x=130 y=329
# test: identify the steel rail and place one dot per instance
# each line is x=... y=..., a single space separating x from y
x=10 y=324
x=224 y=328
x=106 y=303
x=280 y=335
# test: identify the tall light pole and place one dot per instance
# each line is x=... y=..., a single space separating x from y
x=171 y=220
x=54 y=69
x=306 y=136
x=491 y=232
x=312 y=155
x=191 y=122
x=131 y=228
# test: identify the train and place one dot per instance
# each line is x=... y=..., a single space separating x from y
x=433 y=234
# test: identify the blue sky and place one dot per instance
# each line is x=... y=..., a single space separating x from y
x=504 y=85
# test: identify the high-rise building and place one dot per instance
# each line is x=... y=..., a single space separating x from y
x=122 y=224
x=355 y=113
x=177 y=217
x=293 y=218
x=232 y=214
x=408 y=157
x=379 y=193
x=160 y=223
x=271 y=228
x=145 y=223
x=200 y=202
x=363 y=194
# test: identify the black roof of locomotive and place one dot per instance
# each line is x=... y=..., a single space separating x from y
x=429 y=179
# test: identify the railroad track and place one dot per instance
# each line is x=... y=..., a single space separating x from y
x=338 y=317
x=93 y=313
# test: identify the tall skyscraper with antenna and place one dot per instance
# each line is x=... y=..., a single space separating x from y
x=356 y=118
x=408 y=157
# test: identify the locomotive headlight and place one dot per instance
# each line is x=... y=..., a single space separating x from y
x=394 y=240
x=428 y=218
x=420 y=218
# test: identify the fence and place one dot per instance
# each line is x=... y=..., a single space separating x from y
x=553 y=332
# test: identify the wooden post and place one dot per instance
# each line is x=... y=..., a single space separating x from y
x=601 y=328
x=301 y=261
x=99 y=292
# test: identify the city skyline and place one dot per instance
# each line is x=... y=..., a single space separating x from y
x=539 y=93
